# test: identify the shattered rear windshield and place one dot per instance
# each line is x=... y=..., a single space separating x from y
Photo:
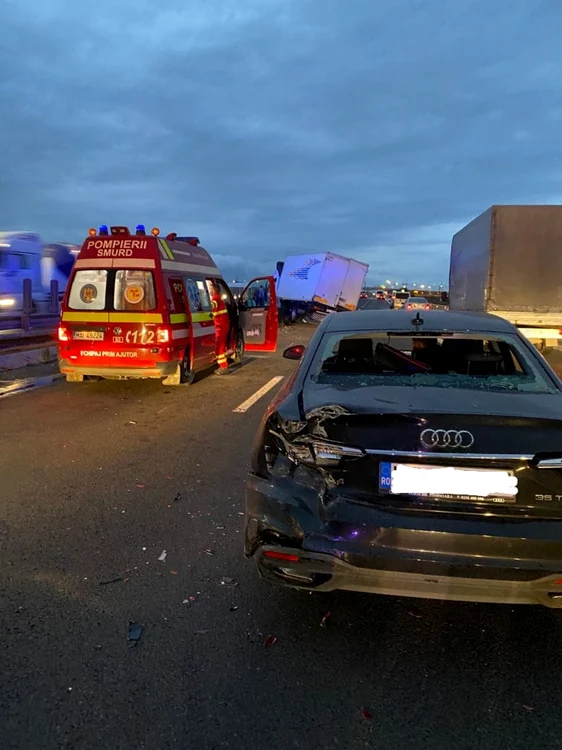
x=477 y=362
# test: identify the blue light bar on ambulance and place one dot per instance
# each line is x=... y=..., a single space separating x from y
x=140 y=230
x=119 y=230
x=103 y=230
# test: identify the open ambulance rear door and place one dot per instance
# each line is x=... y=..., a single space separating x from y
x=258 y=317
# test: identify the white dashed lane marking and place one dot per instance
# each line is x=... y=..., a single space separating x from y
x=249 y=402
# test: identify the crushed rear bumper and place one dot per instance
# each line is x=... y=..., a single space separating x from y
x=358 y=547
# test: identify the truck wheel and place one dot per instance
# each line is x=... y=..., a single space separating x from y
x=74 y=377
x=184 y=374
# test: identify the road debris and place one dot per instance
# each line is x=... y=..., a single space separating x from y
x=367 y=715
x=413 y=614
x=173 y=572
x=269 y=641
x=177 y=497
x=134 y=633
x=201 y=632
x=226 y=581
x=162 y=556
x=140 y=486
x=132 y=421
x=233 y=609
x=209 y=552
x=112 y=580
x=325 y=620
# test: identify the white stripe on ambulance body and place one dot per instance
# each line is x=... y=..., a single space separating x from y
x=180 y=333
x=199 y=330
x=210 y=271
x=117 y=263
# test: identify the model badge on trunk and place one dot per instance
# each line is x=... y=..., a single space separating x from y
x=447 y=439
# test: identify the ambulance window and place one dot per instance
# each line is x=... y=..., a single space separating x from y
x=195 y=303
x=225 y=293
x=134 y=291
x=176 y=295
x=88 y=290
x=205 y=298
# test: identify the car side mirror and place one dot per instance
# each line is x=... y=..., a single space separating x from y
x=294 y=352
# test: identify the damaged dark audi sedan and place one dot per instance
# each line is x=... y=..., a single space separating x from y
x=414 y=455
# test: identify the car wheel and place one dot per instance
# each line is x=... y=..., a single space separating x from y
x=184 y=374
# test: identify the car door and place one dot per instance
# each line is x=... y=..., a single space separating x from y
x=258 y=315
x=202 y=319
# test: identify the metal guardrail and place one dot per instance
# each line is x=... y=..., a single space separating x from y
x=30 y=321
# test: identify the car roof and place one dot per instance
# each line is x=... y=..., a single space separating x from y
x=401 y=320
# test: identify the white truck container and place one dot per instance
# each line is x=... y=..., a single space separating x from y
x=353 y=284
x=329 y=280
x=508 y=261
x=23 y=256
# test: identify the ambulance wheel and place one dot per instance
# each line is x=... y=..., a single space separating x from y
x=184 y=374
x=239 y=349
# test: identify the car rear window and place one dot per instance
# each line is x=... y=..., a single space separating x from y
x=479 y=362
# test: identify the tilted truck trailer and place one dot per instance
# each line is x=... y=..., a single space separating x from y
x=328 y=281
x=508 y=261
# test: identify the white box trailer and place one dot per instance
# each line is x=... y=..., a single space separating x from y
x=353 y=284
x=508 y=261
x=326 y=279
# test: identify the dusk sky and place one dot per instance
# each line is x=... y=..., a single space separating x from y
x=374 y=129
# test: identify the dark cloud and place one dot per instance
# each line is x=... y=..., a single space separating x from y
x=271 y=127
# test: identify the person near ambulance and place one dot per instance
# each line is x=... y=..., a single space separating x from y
x=222 y=327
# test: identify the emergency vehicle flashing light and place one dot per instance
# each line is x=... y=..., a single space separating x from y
x=155 y=231
x=103 y=231
x=140 y=231
x=92 y=232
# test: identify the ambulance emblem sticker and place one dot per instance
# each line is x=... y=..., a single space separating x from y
x=88 y=293
x=117 y=331
x=134 y=293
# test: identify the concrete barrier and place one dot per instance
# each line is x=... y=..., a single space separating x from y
x=14 y=360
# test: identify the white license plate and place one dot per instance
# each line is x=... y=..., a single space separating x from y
x=447 y=481
x=89 y=335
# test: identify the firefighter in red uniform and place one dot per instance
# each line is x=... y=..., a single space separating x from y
x=222 y=327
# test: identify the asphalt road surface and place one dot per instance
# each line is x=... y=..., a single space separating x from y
x=89 y=478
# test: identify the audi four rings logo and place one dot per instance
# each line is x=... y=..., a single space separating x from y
x=447 y=439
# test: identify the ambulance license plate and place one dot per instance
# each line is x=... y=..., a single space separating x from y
x=88 y=335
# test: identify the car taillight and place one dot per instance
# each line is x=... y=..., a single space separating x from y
x=62 y=334
x=162 y=335
x=409 y=307
x=428 y=307
x=273 y=555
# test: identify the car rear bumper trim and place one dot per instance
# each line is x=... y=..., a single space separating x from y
x=321 y=572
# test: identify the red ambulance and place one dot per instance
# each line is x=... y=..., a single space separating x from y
x=138 y=306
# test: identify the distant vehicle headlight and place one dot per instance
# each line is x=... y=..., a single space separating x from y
x=7 y=302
